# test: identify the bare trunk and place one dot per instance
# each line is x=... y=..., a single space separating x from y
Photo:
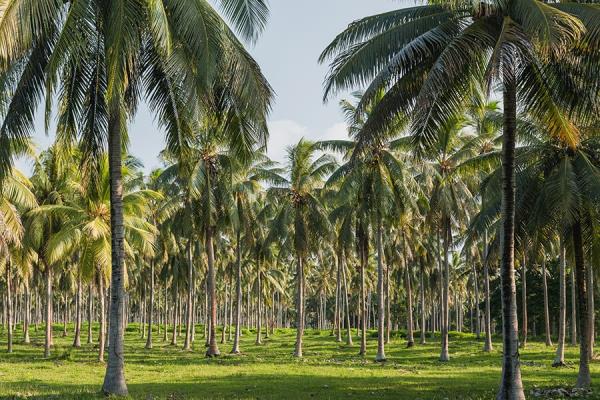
x=337 y=313
x=27 y=315
x=89 y=313
x=363 y=305
x=213 y=349
x=187 y=344
x=422 y=298
x=591 y=312
x=511 y=386
x=380 y=295
x=238 y=296
x=48 y=338
x=299 y=306
x=78 y=299
x=346 y=305
x=114 y=380
x=410 y=340
x=102 y=333
x=573 y=309
x=546 y=310
x=9 y=312
x=584 y=379
x=444 y=355
x=150 y=307
x=258 y=303
x=559 y=359
x=524 y=302
x=488 y=346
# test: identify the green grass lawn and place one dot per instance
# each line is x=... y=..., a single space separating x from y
x=328 y=370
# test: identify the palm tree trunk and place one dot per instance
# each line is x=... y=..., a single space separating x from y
x=546 y=310
x=591 y=312
x=150 y=307
x=477 y=311
x=9 y=307
x=363 y=304
x=584 y=379
x=511 y=386
x=258 y=304
x=90 y=305
x=488 y=346
x=346 y=303
x=422 y=297
x=410 y=340
x=559 y=359
x=187 y=344
x=166 y=315
x=573 y=309
x=102 y=334
x=380 y=295
x=337 y=312
x=238 y=295
x=524 y=302
x=213 y=349
x=78 y=299
x=27 y=315
x=114 y=380
x=444 y=355
x=299 y=306
x=48 y=337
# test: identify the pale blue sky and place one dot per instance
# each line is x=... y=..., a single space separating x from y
x=287 y=51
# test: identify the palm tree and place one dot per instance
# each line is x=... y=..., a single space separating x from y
x=425 y=57
x=15 y=198
x=100 y=70
x=300 y=215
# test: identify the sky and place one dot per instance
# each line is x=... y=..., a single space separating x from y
x=287 y=52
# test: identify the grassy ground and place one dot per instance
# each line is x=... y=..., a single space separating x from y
x=328 y=370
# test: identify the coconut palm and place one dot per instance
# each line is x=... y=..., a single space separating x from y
x=98 y=73
x=425 y=57
x=300 y=215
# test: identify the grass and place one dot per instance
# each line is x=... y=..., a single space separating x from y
x=328 y=371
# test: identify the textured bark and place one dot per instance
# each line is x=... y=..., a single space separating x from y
x=114 y=380
x=337 y=313
x=380 y=295
x=410 y=340
x=511 y=386
x=477 y=311
x=487 y=346
x=299 y=306
x=238 y=296
x=213 y=349
x=584 y=379
x=27 y=314
x=591 y=312
x=559 y=359
x=363 y=305
x=573 y=309
x=150 y=307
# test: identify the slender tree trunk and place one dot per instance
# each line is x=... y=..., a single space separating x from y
x=488 y=346
x=258 y=303
x=337 y=313
x=166 y=315
x=444 y=355
x=388 y=308
x=187 y=344
x=511 y=386
x=546 y=310
x=8 y=306
x=27 y=315
x=299 y=306
x=573 y=309
x=78 y=299
x=477 y=311
x=346 y=304
x=380 y=295
x=114 y=380
x=524 y=302
x=363 y=304
x=175 y=303
x=90 y=305
x=422 y=298
x=213 y=349
x=584 y=379
x=102 y=333
x=238 y=296
x=591 y=312
x=410 y=340
x=559 y=359
x=48 y=339
x=150 y=307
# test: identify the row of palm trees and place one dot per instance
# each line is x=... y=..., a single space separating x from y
x=422 y=177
